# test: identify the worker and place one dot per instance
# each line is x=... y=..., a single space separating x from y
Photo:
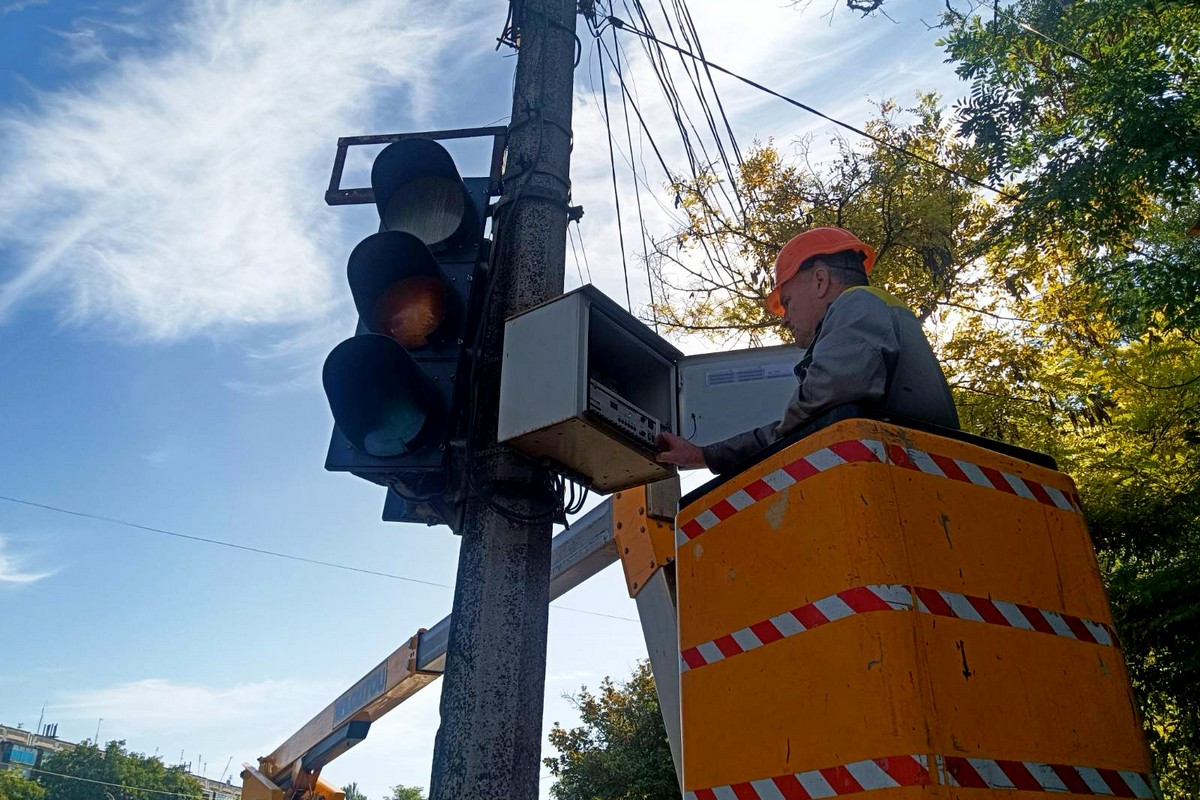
x=862 y=346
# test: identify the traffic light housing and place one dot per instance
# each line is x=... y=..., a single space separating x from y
x=398 y=387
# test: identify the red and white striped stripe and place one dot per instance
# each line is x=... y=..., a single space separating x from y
x=988 y=477
x=967 y=773
x=894 y=597
x=870 y=450
x=859 y=776
x=1013 y=615
x=1033 y=776
x=860 y=600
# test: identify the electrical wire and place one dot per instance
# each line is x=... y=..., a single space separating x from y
x=272 y=553
x=1020 y=23
x=645 y=128
x=621 y=24
x=704 y=163
x=717 y=97
x=637 y=192
x=575 y=253
x=629 y=91
x=612 y=160
x=219 y=542
x=701 y=165
x=582 y=249
x=692 y=69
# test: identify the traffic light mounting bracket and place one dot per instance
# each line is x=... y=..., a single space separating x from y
x=337 y=196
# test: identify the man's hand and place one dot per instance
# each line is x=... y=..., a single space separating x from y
x=676 y=450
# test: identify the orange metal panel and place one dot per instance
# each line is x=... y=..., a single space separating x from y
x=256 y=786
x=325 y=791
x=755 y=565
x=1028 y=696
x=879 y=593
x=962 y=537
x=850 y=694
x=644 y=543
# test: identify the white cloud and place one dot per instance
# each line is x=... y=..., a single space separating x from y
x=292 y=361
x=574 y=677
x=172 y=449
x=21 y=5
x=156 y=706
x=181 y=191
x=13 y=573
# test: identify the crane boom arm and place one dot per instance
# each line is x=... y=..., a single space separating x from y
x=578 y=553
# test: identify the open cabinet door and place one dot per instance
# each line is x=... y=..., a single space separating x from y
x=722 y=394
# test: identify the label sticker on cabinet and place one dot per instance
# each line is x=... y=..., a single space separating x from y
x=749 y=374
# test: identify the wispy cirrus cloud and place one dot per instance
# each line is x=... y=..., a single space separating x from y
x=13 y=572
x=179 y=191
x=20 y=5
x=157 y=705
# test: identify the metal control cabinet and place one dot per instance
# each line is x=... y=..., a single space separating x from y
x=588 y=386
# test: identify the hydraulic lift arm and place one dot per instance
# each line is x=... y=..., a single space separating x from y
x=293 y=769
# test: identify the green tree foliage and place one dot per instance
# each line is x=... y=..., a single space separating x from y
x=1092 y=111
x=15 y=786
x=620 y=751
x=1141 y=489
x=407 y=793
x=127 y=773
x=714 y=272
x=352 y=792
x=1033 y=349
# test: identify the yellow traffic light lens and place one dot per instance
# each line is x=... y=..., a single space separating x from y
x=431 y=208
x=410 y=310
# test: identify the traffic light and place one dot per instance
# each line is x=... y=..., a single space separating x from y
x=397 y=389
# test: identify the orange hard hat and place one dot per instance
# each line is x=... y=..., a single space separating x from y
x=814 y=242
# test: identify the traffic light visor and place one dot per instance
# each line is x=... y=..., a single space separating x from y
x=400 y=290
x=381 y=401
x=418 y=190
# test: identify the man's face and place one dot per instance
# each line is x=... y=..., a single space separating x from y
x=803 y=306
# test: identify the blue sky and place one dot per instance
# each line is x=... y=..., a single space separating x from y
x=170 y=282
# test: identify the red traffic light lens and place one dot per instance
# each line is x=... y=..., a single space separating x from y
x=410 y=310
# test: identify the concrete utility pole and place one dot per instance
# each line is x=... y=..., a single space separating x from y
x=489 y=743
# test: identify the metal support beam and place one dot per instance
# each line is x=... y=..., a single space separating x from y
x=660 y=626
x=386 y=686
x=577 y=553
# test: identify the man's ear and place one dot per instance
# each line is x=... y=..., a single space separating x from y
x=822 y=281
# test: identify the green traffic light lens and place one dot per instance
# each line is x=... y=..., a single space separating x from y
x=381 y=401
x=394 y=429
x=431 y=208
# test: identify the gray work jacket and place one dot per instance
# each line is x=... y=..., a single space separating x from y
x=868 y=349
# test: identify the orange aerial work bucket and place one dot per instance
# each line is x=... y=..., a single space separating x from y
x=885 y=610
